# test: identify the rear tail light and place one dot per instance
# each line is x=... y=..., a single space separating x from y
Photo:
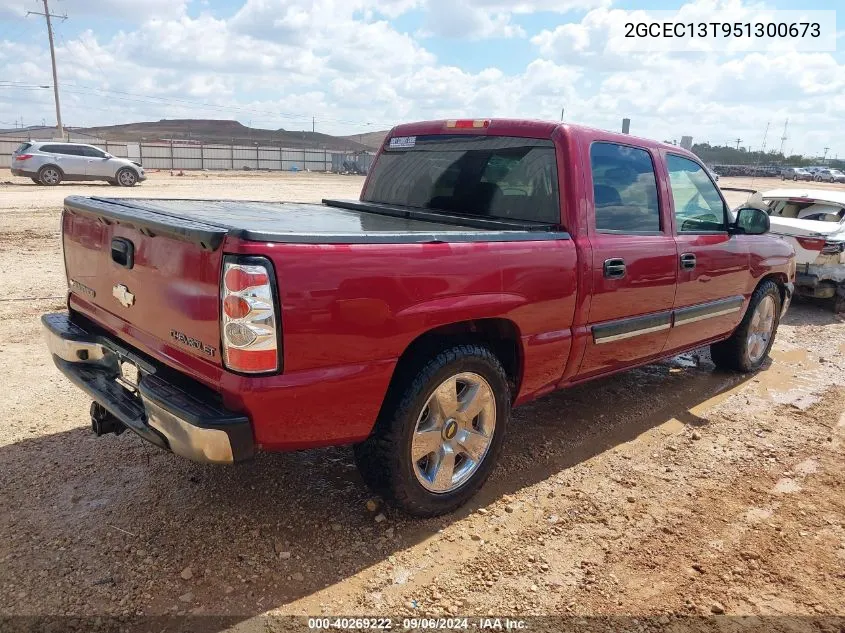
x=811 y=243
x=23 y=156
x=249 y=316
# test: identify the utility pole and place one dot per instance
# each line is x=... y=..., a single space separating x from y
x=784 y=137
x=824 y=158
x=738 y=141
x=313 y=124
x=49 y=15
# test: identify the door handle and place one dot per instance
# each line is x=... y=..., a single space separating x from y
x=614 y=268
x=688 y=261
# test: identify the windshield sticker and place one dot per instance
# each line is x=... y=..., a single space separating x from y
x=402 y=142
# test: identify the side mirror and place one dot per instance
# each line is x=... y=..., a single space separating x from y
x=107 y=156
x=751 y=221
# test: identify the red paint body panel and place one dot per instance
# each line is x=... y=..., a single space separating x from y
x=349 y=311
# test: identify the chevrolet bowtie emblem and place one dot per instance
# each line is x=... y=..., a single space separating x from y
x=122 y=294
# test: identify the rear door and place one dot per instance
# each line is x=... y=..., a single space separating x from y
x=69 y=157
x=712 y=264
x=634 y=265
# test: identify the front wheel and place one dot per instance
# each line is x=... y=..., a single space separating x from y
x=126 y=177
x=439 y=437
x=839 y=299
x=749 y=345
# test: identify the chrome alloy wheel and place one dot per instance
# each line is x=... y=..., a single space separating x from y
x=760 y=330
x=453 y=432
x=50 y=176
x=126 y=178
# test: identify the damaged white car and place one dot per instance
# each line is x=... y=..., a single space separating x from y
x=813 y=221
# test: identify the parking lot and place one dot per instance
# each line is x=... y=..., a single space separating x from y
x=726 y=491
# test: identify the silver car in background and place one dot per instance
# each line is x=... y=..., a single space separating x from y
x=50 y=162
x=829 y=175
x=795 y=173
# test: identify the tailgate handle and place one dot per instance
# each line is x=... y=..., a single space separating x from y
x=123 y=252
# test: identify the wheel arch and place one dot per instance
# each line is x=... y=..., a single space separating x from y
x=500 y=335
x=780 y=280
x=53 y=165
x=132 y=167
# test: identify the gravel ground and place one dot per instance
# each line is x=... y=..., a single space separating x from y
x=667 y=491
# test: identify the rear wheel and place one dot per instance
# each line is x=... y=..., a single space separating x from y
x=439 y=437
x=126 y=177
x=749 y=345
x=49 y=176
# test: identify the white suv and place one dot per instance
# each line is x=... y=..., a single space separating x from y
x=50 y=162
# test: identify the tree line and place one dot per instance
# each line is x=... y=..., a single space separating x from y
x=726 y=155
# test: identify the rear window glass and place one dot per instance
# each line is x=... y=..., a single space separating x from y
x=806 y=210
x=624 y=189
x=66 y=150
x=494 y=177
x=23 y=147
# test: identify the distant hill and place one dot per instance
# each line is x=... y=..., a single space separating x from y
x=35 y=131
x=215 y=131
x=373 y=140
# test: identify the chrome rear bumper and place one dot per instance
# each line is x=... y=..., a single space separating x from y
x=183 y=418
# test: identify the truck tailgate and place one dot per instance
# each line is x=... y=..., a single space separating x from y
x=159 y=273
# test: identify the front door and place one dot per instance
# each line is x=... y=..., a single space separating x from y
x=98 y=165
x=712 y=264
x=634 y=268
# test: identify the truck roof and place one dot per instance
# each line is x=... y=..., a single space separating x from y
x=529 y=128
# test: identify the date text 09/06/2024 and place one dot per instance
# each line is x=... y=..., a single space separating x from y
x=418 y=624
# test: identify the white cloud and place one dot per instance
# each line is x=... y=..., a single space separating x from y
x=278 y=62
x=464 y=19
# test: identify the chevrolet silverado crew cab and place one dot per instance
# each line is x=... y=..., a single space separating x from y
x=486 y=263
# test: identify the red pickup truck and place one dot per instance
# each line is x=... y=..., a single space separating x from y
x=486 y=263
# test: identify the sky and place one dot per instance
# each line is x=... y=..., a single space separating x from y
x=354 y=66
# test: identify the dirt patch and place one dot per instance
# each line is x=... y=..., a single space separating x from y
x=672 y=490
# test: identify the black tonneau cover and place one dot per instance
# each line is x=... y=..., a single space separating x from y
x=208 y=222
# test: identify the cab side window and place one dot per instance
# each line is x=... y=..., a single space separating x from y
x=624 y=189
x=698 y=205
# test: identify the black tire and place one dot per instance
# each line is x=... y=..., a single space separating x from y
x=384 y=459
x=36 y=181
x=126 y=177
x=113 y=183
x=839 y=299
x=795 y=178
x=733 y=353
x=50 y=176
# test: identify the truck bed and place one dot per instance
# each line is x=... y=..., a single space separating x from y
x=208 y=222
